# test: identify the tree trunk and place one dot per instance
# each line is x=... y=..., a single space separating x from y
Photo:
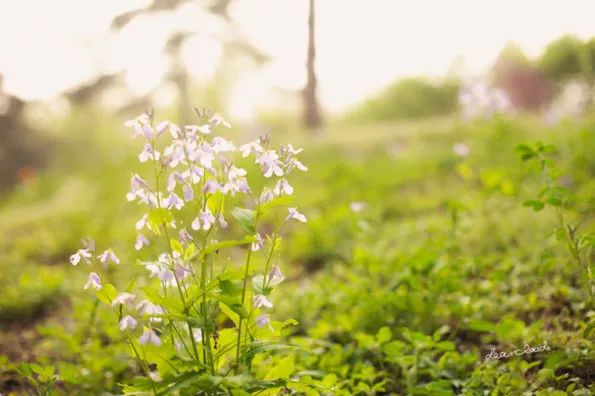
x=312 y=118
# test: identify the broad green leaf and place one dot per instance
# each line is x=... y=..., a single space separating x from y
x=229 y=288
x=235 y=304
x=176 y=245
x=283 y=368
x=284 y=200
x=107 y=293
x=258 y=282
x=225 y=244
x=536 y=204
x=246 y=218
x=158 y=217
x=393 y=348
x=257 y=347
x=384 y=335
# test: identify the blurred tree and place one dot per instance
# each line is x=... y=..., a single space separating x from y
x=566 y=57
x=570 y=58
x=526 y=86
x=312 y=118
x=233 y=45
x=22 y=151
x=87 y=93
x=409 y=98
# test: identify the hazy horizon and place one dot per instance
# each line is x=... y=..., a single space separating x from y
x=76 y=44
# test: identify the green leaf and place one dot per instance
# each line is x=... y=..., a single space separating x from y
x=536 y=204
x=246 y=218
x=554 y=201
x=229 y=288
x=283 y=368
x=393 y=348
x=257 y=347
x=258 y=282
x=481 y=325
x=225 y=244
x=235 y=304
x=525 y=151
x=446 y=345
x=158 y=217
x=176 y=245
x=107 y=293
x=235 y=318
x=189 y=252
x=384 y=335
x=284 y=200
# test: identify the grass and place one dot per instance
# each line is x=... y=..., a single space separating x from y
x=403 y=297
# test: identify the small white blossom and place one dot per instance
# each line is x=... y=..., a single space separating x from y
x=270 y=164
x=188 y=193
x=266 y=196
x=195 y=174
x=141 y=125
x=80 y=254
x=221 y=145
x=174 y=130
x=181 y=270
x=123 y=299
x=295 y=162
x=172 y=156
x=141 y=241
x=275 y=276
x=294 y=214
x=142 y=222
x=173 y=179
x=293 y=151
x=222 y=221
x=137 y=187
x=264 y=320
x=108 y=255
x=128 y=323
x=211 y=186
x=216 y=120
x=148 y=308
x=89 y=244
x=260 y=300
x=173 y=201
x=148 y=153
x=94 y=281
x=205 y=220
x=258 y=243
x=283 y=187
x=184 y=236
x=149 y=337
x=252 y=147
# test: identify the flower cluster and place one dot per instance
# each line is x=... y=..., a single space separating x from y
x=186 y=197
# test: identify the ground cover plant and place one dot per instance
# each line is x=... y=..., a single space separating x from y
x=422 y=266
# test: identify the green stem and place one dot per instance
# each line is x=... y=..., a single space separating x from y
x=144 y=367
x=244 y=287
x=170 y=251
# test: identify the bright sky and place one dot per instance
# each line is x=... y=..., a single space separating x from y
x=48 y=46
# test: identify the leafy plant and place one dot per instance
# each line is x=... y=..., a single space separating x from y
x=557 y=197
x=199 y=321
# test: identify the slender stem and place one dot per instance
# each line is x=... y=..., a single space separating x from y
x=241 y=321
x=144 y=367
x=170 y=251
x=206 y=336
